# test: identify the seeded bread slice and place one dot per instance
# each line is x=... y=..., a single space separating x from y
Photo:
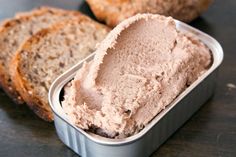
x=113 y=12
x=14 y=32
x=48 y=54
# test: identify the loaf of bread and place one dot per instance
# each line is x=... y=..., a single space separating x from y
x=113 y=12
x=15 y=31
x=49 y=53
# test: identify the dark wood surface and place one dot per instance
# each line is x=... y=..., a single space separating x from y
x=210 y=132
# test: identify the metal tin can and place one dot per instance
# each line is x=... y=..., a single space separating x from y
x=157 y=131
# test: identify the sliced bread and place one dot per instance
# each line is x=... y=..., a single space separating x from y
x=14 y=32
x=48 y=54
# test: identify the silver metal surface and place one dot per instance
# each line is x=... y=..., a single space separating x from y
x=157 y=131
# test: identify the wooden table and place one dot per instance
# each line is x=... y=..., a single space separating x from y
x=210 y=132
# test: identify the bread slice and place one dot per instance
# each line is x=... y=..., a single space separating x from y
x=113 y=12
x=48 y=54
x=15 y=31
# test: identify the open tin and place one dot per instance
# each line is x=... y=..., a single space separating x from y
x=157 y=131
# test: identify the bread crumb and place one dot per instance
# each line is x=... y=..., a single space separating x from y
x=231 y=86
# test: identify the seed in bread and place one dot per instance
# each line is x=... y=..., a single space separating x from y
x=15 y=31
x=48 y=54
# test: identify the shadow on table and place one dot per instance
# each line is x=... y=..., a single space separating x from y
x=203 y=25
x=21 y=117
x=84 y=8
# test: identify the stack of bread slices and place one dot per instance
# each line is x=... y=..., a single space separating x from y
x=38 y=46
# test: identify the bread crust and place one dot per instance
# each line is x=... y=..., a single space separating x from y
x=113 y=12
x=5 y=79
x=37 y=104
x=25 y=91
x=22 y=86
